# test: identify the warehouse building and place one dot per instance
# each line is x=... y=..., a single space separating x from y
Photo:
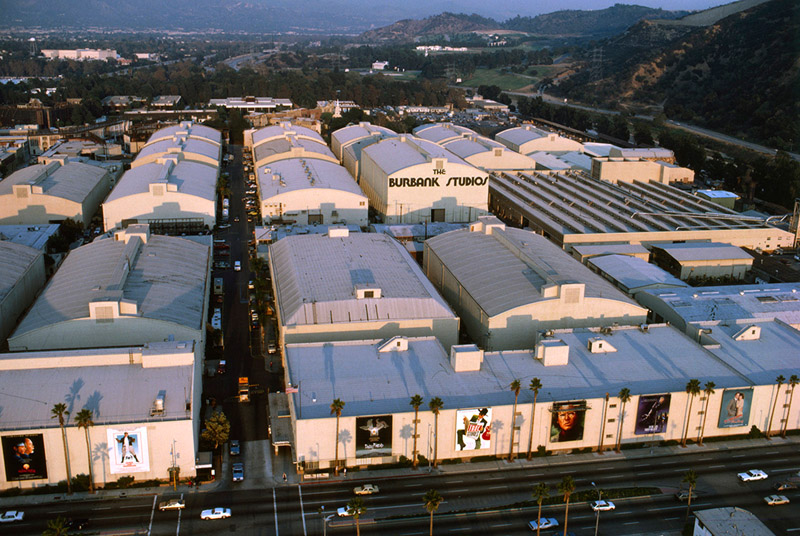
x=22 y=274
x=584 y=253
x=313 y=191
x=348 y=142
x=507 y=285
x=688 y=308
x=720 y=197
x=284 y=140
x=618 y=169
x=145 y=403
x=164 y=193
x=410 y=180
x=572 y=208
x=252 y=104
x=49 y=193
x=190 y=149
x=528 y=139
x=132 y=289
x=581 y=371
x=698 y=261
x=441 y=133
x=631 y=274
x=353 y=286
x=189 y=130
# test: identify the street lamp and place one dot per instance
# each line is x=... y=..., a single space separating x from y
x=429 y=447
x=597 y=512
x=325 y=525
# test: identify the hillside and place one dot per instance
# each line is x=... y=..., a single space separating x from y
x=740 y=75
x=406 y=31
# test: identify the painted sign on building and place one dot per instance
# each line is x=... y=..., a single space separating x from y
x=474 y=429
x=652 y=415
x=128 y=451
x=24 y=457
x=735 y=408
x=373 y=436
x=567 y=421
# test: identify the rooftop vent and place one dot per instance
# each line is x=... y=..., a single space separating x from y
x=338 y=232
x=367 y=291
x=159 y=404
x=466 y=357
x=552 y=352
x=598 y=345
x=395 y=344
x=750 y=333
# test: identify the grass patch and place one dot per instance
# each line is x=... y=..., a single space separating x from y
x=493 y=77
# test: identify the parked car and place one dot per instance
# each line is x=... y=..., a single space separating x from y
x=215 y=513
x=235 y=449
x=366 y=489
x=172 y=504
x=271 y=348
x=11 y=516
x=752 y=474
x=774 y=500
x=546 y=523
x=237 y=266
x=238 y=472
x=683 y=495
x=602 y=506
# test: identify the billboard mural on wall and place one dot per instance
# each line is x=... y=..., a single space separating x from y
x=735 y=408
x=128 y=451
x=652 y=415
x=474 y=429
x=24 y=457
x=373 y=436
x=567 y=421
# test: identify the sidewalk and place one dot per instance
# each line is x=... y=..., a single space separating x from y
x=442 y=469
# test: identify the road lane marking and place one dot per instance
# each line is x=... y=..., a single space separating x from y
x=663 y=508
x=413 y=485
x=123 y=507
x=152 y=513
x=415 y=505
x=631 y=523
x=715 y=466
x=498 y=487
x=102 y=508
x=302 y=511
x=460 y=529
x=502 y=525
x=671 y=518
x=648 y=473
x=458 y=490
x=180 y=511
x=275 y=507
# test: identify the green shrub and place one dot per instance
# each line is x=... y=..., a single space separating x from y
x=487 y=458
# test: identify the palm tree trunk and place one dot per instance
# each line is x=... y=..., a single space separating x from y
x=566 y=517
x=66 y=459
x=703 y=426
x=89 y=452
x=533 y=417
x=435 y=439
x=414 y=454
x=358 y=528
x=689 y=502
x=772 y=413
x=619 y=435
x=431 y=522
x=336 y=457
x=513 y=430
x=788 y=413
x=688 y=418
x=539 y=520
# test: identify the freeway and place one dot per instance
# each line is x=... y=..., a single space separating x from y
x=476 y=499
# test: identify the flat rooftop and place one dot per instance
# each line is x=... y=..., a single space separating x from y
x=316 y=279
x=633 y=273
x=35 y=236
x=120 y=385
x=371 y=382
x=704 y=251
x=304 y=173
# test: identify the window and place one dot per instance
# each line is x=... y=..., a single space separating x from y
x=369 y=293
x=104 y=315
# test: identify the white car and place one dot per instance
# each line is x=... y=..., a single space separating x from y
x=11 y=516
x=344 y=512
x=774 y=500
x=752 y=474
x=545 y=523
x=602 y=506
x=237 y=266
x=215 y=513
x=366 y=489
x=172 y=504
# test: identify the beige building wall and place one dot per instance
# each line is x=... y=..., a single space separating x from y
x=736 y=269
x=21 y=294
x=335 y=206
x=622 y=170
x=26 y=206
x=146 y=206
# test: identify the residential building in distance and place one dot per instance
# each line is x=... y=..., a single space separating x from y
x=252 y=104
x=411 y=180
x=166 y=101
x=509 y=285
x=572 y=208
x=131 y=289
x=703 y=260
x=528 y=139
x=145 y=402
x=22 y=274
x=48 y=193
x=352 y=286
x=310 y=191
x=80 y=54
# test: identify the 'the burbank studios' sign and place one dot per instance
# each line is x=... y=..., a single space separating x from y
x=433 y=182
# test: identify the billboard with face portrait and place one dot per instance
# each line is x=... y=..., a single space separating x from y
x=23 y=457
x=128 y=451
x=735 y=408
x=567 y=421
x=652 y=415
x=373 y=436
x=474 y=429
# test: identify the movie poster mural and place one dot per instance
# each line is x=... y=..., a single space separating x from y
x=128 y=451
x=373 y=436
x=24 y=457
x=567 y=421
x=735 y=408
x=652 y=415
x=474 y=429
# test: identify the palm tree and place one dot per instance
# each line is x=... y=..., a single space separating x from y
x=690 y=477
x=793 y=381
x=355 y=507
x=708 y=390
x=416 y=402
x=535 y=385
x=566 y=487
x=336 y=409
x=515 y=387
x=56 y=527
x=693 y=389
x=84 y=420
x=540 y=493
x=779 y=380
x=431 y=501
x=435 y=406
x=59 y=411
x=624 y=397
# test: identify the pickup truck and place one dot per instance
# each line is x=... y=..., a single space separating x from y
x=366 y=489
